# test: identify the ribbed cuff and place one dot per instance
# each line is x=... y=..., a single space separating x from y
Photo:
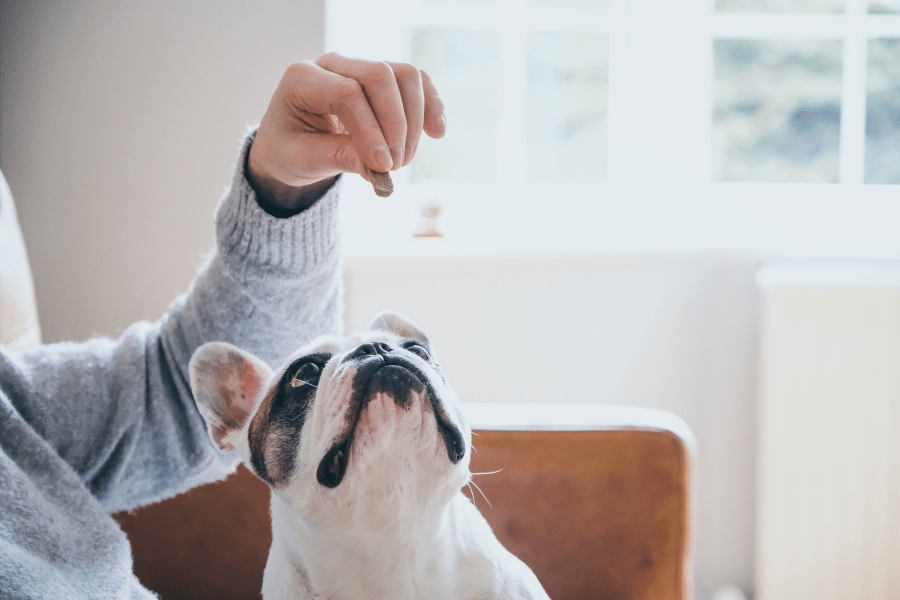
x=253 y=243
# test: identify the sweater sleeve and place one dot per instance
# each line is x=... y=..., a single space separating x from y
x=120 y=412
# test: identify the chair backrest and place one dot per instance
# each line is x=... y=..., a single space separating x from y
x=595 y=499
x=18 y=312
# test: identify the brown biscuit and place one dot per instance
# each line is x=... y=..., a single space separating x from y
x=381 y=182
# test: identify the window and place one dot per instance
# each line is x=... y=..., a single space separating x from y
x=640 y=125
x=883 y=111
x=776 y=110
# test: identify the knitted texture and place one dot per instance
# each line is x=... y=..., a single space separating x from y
x=88 y=429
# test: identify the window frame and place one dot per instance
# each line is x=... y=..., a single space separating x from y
x=658 y=195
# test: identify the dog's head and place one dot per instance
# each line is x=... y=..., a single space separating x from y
x=363 y=422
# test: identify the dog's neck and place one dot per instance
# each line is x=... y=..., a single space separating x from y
x=419 y=558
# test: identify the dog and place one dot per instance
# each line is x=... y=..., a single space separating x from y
x=366 y=450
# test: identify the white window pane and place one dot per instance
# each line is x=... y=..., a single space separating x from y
x=780 y=6
x=464 y=65
x=884 y=7
x=776 y=110
x=599 y=4
x=566 y=94
x=883 y=112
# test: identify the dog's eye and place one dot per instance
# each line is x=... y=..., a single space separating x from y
x=307 y=374
x=419 y=351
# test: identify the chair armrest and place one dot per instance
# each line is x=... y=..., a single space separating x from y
x=596 y=499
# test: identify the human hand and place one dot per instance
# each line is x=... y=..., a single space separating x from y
x=340 y=114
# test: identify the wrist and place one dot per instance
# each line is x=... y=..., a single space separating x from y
x=278 y=198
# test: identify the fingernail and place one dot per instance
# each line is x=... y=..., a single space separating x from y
x=383 y=160
x=397 y=155
x=442 y=122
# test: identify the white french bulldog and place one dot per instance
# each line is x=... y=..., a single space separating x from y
x=366 y=450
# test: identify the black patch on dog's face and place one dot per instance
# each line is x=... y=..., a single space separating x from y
x=280 y=418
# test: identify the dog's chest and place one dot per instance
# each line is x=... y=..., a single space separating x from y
x=342 y=565
x=362 y=579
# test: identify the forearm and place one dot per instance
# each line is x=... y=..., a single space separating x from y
x=276 y=197
x=121 y=413
x=270 y=283
x=272 y=280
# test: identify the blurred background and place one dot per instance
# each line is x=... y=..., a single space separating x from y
x=684 y=205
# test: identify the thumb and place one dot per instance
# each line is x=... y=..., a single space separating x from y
x=344 y=156
x=329 y=154
x=347 y=159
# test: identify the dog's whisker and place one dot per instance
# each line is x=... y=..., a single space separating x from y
x=302 y=342
x=299 y=382
x=482 y=493
x=471 y=491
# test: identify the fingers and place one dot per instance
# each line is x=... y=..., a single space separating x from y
x=435 y=121
x=379 y=87
x=322 y=92
x=340 y=114
x=409 y=82
x=402 y=99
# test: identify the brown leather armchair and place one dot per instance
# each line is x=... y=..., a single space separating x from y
x=595 y=499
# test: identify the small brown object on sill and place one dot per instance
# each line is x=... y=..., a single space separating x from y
x=381 y=182
x=430 y=212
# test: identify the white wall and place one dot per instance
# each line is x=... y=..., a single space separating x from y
x=119 y=125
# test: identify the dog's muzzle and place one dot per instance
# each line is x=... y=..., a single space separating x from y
x=383 y=369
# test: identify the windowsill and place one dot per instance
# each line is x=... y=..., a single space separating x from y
x=778 y=220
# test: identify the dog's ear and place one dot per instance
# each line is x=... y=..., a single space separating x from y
x=227 y=384
x=395 y=323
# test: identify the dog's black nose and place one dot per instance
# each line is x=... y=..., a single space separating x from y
x=373 y=349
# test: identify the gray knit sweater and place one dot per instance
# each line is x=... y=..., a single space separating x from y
x=93 y=428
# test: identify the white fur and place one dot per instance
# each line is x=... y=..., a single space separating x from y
x=397 y=526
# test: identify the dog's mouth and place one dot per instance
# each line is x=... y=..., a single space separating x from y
x=402 y=380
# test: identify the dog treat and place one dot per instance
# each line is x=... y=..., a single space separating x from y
x=381 y=182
